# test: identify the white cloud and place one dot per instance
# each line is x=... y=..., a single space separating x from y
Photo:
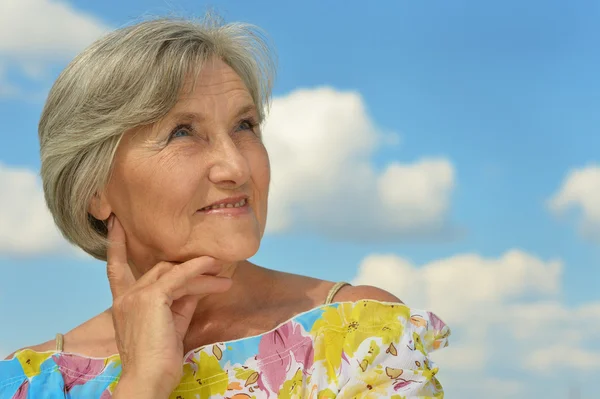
x=36 y=33
x=321 y=142
x=580 y=191
x=547 y=359
x=26 y=226
x=456 y=385
x=35 y=29
x=505 y=313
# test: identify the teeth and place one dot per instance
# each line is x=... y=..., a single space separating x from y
x=236 y=205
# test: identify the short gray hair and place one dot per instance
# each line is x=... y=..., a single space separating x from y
x=129 y=78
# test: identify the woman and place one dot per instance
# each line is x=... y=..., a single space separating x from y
x=152 y=160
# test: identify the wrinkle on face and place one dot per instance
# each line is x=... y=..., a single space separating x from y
x=158 y=184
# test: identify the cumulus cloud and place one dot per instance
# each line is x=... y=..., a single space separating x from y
x=44 y=28
x=26 y=226
x=36 y=33
x=580 y=191
x=321 y=142
x=547 y=359
x=505 y=313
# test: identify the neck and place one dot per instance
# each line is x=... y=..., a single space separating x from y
x=208 y=318
x=214 y=302
x=206 y=309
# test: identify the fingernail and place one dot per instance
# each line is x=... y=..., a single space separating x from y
x=111 y=220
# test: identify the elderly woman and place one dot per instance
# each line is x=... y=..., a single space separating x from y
x=153 y=161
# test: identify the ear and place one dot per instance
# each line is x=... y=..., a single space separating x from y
x=99 y=207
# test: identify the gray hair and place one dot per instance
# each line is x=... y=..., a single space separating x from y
x=129 y=78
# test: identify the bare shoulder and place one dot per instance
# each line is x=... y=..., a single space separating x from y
x=94 y=337
x=44 y=347
x=351 y=293
x=318 y=289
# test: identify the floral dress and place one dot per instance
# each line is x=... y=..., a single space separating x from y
x=363 y=349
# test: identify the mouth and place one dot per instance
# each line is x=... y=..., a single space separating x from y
x=226 y=205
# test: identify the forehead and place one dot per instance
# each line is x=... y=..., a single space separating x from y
x=215 y=80
x=217 y=92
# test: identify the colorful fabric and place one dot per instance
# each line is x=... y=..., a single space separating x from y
x=365 y=349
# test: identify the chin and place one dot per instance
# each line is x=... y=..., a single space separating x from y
x=228 y=247
x=236 y=253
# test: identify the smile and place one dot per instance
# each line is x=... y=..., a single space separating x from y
x=238 y=207
x=238 y=204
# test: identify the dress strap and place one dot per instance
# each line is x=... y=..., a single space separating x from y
x=59 y=342
x=334 y=290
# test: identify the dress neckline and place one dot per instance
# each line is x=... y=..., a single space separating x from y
x=249 y=337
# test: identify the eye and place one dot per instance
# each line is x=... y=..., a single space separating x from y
x=180 y=131
x=247 y=124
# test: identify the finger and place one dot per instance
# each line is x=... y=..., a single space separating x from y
x=182 y=274
x=152 y=275
x=183 y=310
x=198 y=266
x=119 y=273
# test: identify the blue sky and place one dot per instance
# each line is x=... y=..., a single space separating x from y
x=504 y=95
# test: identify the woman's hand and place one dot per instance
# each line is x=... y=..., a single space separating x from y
x=151 y=315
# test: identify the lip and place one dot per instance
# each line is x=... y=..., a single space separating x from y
x=230 y=200
x=228 y=211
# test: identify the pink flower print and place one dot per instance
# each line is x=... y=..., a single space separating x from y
x=189 y=358
x=78 y=370
x=436 y=322
x=22 y=391
x=275 y=350
x=402 y=384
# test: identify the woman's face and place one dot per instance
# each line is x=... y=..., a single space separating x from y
x=206 y=150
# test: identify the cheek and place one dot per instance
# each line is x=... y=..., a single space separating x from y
x=154 y=184
x=262 y=168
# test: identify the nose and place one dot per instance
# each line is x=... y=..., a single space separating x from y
x=230 y=168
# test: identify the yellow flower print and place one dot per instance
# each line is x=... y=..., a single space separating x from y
x=32 y=361
x=292 y=388
x=419 y=344
x=344 y=328
x=326 y=394
x=347 y=325
x=369 y=385
x=369 y=358
x=113 y=361
x=208 y=380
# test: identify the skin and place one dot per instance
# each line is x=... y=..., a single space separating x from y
x=162 y=176
x=166 y=172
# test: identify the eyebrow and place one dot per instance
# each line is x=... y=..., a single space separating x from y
x=189 y=116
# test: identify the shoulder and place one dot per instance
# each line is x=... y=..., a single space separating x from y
x=352 y=293
x=43 y=347
x=94 y=338
x=18 y=367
